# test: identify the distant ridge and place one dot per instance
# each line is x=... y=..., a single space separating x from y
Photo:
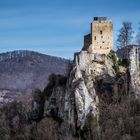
x=22 y=53
x=24 y=71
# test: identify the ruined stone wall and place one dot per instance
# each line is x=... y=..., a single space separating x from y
x=87 y=41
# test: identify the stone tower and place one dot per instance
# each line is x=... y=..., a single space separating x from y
x=101 y=35
x=100 y=39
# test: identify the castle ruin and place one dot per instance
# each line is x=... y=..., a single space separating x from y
x=100 y=39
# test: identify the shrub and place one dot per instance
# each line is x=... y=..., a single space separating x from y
x=113 y=56
x=124 y=62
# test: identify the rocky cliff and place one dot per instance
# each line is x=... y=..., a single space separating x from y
x=94 y=102
x=134 y=69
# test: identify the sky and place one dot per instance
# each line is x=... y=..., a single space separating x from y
x=57 y=27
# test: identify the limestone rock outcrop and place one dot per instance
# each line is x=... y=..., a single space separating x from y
x=94 y=102
x=134 y=71
x=75 y=101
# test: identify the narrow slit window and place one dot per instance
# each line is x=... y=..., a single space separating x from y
x=94 y=37
x=101 y=32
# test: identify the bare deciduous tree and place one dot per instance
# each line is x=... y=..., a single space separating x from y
x=125 y=35
x=138 y=36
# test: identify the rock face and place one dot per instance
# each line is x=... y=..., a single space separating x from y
x=134 y=62
x=131 y=53
x=134 y=70
x=89 y=103
x=75 y=103
x=94 y=102
x=94 y=64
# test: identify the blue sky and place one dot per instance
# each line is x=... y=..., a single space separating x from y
x=57 y=27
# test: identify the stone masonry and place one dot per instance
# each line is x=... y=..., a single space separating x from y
x=100 y=39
